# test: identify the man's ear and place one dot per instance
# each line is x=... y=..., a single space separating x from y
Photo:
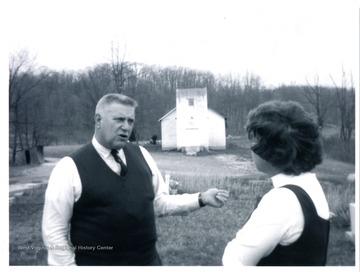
x=97 y=120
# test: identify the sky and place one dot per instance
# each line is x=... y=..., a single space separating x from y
x=282 y=42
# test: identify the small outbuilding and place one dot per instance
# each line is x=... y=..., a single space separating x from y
x=191 y=126
x=34 y=155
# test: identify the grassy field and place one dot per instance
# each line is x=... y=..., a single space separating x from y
x=208 y=229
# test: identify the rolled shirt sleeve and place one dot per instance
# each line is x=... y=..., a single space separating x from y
x=164 y=203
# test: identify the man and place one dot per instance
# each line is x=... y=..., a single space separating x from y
x=101 y=201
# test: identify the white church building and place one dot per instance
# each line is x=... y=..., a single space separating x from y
x=191 y=126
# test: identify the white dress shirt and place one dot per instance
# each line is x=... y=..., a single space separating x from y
x=64 y=189
x=278 y=219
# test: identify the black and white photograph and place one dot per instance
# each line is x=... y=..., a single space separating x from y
x=217 y=134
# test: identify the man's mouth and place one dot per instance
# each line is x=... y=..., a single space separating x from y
x=123 y=136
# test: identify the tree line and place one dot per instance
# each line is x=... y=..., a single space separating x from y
x=49 y=107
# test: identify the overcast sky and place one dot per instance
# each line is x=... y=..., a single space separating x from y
x=280 y=41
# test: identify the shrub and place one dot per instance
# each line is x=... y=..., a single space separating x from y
x=339 y=195
x=338 y=149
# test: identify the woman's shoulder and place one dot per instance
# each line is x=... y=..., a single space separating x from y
x=281 y=199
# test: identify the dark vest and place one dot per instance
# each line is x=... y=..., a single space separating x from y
x=311 y=247
x=113 y=222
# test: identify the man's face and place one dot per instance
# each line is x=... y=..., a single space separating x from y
x=114 y=125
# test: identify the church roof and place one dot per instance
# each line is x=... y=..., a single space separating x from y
x=174 y=109
x=166 y=115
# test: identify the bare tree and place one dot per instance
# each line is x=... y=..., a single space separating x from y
x=118 y=68
x=125 y=74
x=24 y=78
x=320 y=99
x=346 y=103
x=94 y=83
x=122 y=71
x=252 y=87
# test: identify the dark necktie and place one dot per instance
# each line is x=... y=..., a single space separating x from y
x=118 y=160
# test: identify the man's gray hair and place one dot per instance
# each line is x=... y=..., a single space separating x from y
x=115 y=98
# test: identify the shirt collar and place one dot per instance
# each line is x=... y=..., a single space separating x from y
x=283 y=179
x=103 y=151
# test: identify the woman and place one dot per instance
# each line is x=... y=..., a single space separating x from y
x=290 y=225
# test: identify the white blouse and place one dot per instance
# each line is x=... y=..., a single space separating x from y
x=278 y=219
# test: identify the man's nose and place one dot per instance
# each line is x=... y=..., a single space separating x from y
x=126 y=126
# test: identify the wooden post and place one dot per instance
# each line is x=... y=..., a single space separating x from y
x=167 y=180
x=351 y=234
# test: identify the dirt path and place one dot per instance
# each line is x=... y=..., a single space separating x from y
x=208 y=165
x=26 y=177
x=22 y=178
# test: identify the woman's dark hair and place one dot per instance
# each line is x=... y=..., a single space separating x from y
x=286 y=136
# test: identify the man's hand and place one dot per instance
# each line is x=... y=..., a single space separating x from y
x=215 y=197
